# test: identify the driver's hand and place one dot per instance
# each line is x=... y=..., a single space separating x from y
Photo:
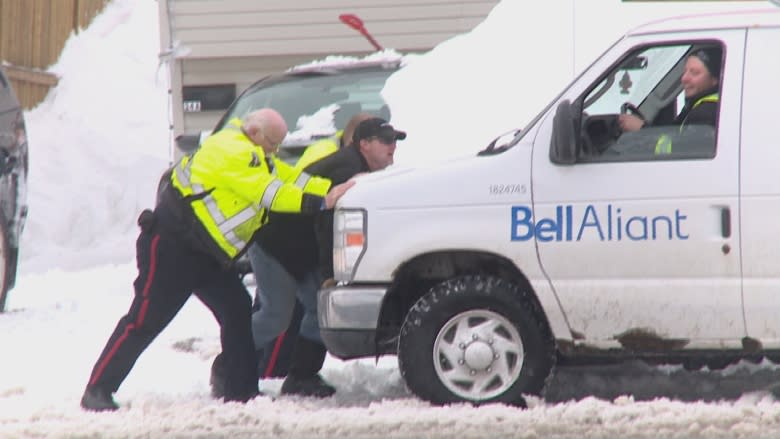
x=630 y=122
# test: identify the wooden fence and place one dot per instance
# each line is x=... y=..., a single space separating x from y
x=32 y=35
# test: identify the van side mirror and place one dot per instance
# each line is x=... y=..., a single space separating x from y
x=563 y=144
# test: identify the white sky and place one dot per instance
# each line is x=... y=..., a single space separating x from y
x=98 y=144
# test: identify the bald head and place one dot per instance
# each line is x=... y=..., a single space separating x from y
x=266 y=128
x=349 y=129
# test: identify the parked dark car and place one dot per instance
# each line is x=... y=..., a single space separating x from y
x=344 y=88
x=340 y=90
x=13 y=184
x=352 y=86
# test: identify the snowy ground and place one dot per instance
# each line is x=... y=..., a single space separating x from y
x=96 y=151
x=61 y=318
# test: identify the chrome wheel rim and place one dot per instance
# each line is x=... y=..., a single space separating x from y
x=478 y=355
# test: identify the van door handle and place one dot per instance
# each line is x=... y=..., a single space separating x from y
x=725 y=222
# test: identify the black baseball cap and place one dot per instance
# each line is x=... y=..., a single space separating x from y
x=376 y=127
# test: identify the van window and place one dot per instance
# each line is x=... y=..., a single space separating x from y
x=658 y=103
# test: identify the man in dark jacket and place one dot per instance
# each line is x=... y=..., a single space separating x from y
x=700 y=81
x=372 y=149
x=284 y=261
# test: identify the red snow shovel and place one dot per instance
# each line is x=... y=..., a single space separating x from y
x=356 y=23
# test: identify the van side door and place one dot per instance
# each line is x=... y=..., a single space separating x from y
x=760 y=186
x=642 y=247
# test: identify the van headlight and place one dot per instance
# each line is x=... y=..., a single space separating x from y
x=349 y=242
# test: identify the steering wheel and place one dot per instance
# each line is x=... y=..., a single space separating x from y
x=629 y=108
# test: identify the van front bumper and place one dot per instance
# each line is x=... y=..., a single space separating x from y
x=348 y=316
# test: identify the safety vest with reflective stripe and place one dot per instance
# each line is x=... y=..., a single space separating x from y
x=664 y=143
x=319 y=149
x=231 y=187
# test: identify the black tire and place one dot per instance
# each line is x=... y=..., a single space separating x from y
x=499 y=345
x=6 y=258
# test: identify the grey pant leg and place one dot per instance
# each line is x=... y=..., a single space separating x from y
x=276 y=292
x=308 y=288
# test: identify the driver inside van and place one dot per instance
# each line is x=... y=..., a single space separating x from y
x=700 y=81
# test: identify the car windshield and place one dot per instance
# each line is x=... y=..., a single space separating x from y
x=317 y=104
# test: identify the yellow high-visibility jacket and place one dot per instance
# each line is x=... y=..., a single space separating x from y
x=231 y=187
x=320 y=149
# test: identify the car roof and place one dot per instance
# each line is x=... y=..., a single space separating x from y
x=327 y=69
x=717 y=20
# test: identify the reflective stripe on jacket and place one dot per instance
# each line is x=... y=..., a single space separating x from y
x=714 y=97
x=664 y=143
x=230 y=187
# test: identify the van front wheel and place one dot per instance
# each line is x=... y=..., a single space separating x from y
x=475 y=339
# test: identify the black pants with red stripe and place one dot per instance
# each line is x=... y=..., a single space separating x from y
x=168 y=273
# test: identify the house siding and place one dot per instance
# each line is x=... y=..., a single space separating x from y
x=240 y=41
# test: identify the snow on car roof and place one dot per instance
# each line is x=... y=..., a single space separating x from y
x=338 y=61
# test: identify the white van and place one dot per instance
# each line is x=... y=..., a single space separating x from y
x=573 y=241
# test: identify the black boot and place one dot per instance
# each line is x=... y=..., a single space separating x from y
x=313 y=386
x=303 y=378
x=217 y=379
x=219 y=382
x=97 y=399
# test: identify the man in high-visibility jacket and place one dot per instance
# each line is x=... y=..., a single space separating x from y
x=284 y=262
x=700 y=81
x=217 y=198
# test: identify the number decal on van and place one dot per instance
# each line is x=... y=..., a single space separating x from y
x=506 y=189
